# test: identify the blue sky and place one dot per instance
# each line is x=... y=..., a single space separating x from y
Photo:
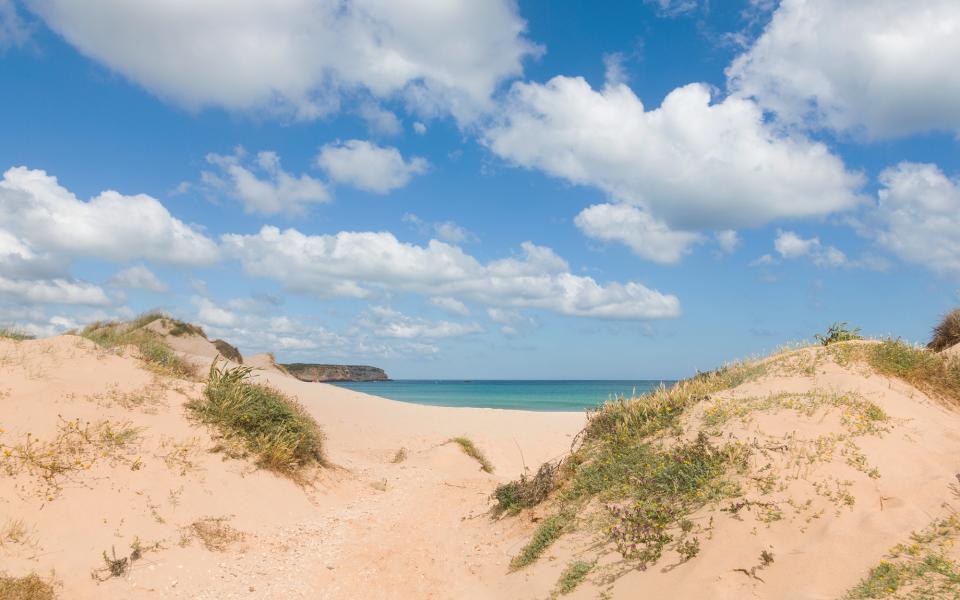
x=483 y=189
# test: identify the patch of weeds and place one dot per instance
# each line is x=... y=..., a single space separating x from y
x=115 y=336
x=14 y=334
x=926 y=370
x=27 y=587
x=179 y=456
x=214 y=533
x=920 y=569
x=947 y=333
x=766 y=559
x=77 y=447
x=513 y=496
x=400 y=456
x=14 y=531
x=228 y=351
x=271 y=425
x=839 y=332
x=115 y=566
x=572 y=577
x=180 y=328
x=548 y=531
x=471 y=450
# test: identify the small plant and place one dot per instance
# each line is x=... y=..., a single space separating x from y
x=400 y=456
x=688 y=548
x=114 y=566
x=839 y=332
x=549 y=530
x=947 y=333
x=214 y=533
x=471 y=450
x=573 y=576
x=228 y=351
x=28 y=587
x=272 y=426
x=151 y=347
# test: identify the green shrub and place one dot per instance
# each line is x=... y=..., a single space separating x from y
x=549 y=531
x=947 y=333
x=272 y=426
x=526 y=492
x=573 y=576
x=926 y=370
x=839 y=332
x=228 y=351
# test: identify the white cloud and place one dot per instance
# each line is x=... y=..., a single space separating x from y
x=52 y=291
x=690 y=163
x=369 y=167
x=300 y=56
x=727 y=240
x=379 y=120
x=790 y=245
x=645 y=236
x=386 y=322
x=449 y=231
x=13 y=31
x=277 y=192
x=673 y=8
x=419 y=128
x=210 y=313
x=45 y=227
x=138 y=277
x=451 y=305
x=918 y=216
x=885 y=67
x=354 y=264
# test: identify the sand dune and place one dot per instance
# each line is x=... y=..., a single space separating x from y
x=100 y=455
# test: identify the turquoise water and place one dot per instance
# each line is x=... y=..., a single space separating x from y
x=521 y=395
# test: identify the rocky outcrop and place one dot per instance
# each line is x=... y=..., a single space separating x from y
x=312 y=372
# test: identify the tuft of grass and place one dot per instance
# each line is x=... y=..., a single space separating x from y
x=947 y=333
x=924 y=369
x=400 y=456
x=839 y=332
x=918 y=570
x=215 y=534
x=152 y=349
x=549 y=531
x=573 y=576
x=272 y=426
x=180 y=328
x=27 y=587
x=14 y=334
x=228 y=351
x=471 y=450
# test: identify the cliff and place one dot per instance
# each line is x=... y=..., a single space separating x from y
x=312 y=372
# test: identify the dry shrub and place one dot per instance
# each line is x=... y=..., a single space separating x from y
x=28 y=587
x=215 y=534
x=947 y=333
x=228 y=351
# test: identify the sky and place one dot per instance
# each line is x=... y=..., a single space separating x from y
x=483 y=188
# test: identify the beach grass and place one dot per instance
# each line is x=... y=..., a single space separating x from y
x=924 y=369
x=947 y=333
x=548 y=531
x=27 y=587
x=471 y=450
x=272 y=426
x=573 y=576
x=157 y=354
x=12 y=333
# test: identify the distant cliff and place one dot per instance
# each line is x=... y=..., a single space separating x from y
x=311 y=372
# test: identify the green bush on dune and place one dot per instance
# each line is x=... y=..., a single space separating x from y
x=272 y=426
x=114 y=335
x=947 y=333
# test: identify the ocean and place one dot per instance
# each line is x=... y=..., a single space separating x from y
x=561 y=395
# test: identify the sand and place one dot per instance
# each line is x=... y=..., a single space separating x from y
x=420 y=528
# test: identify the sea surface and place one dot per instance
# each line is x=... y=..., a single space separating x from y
x=544 y=395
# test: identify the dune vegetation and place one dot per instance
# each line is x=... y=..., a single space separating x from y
x=116 y=336
x=270 y=425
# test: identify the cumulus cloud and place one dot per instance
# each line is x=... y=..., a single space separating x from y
x=45 y=227
x=384 y=321
x=647 y=237
x=451 y=305
x=882 y=67
x=300 y=56
x=379 y=120
x=673 y=8
x=789 y=245
x=261 y=185
x=354 y=264
x=369 y=167
x=52 y=291
x=210 y=313
x=727 y=240
x=691 y=163
x=918 y=216
x=138 y=277
x=13 y=31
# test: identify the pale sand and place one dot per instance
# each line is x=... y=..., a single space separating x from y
x=370 y=528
